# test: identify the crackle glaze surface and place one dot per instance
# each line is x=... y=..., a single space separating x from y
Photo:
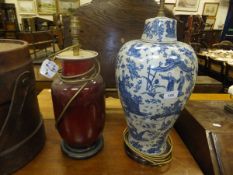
x=155 y=77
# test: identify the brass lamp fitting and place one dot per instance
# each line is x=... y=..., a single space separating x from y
x=75 y=27
x=76 y=50
x=161 y=8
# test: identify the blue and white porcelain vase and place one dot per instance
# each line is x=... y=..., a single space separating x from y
x=155 y=76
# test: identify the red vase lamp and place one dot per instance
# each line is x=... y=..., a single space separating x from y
x=79 y=104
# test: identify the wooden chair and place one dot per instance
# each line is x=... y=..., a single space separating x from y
x=38 y=41
x=107 y=25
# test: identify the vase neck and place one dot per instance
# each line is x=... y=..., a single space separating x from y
x=74 y=67
x=160 y=30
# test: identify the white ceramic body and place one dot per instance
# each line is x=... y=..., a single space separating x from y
x=155 y=77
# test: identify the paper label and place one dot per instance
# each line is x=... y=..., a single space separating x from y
x=172 y=94
x=48 y=68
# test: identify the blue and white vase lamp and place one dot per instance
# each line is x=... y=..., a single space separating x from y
x=155 y=77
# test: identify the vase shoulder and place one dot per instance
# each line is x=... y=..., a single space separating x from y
x=139 y=51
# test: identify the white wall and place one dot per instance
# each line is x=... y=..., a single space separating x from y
x=221 y=14
x=219 y=23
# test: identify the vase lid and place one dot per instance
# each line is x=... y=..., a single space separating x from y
x=160 y=29
x=83 y=55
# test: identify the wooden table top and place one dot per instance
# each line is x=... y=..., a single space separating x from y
x=112 y=159
x=113 y=104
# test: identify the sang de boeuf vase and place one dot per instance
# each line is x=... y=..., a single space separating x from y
x=79 y=104
x=155 y=76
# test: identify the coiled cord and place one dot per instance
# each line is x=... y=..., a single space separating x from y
x=157 y=160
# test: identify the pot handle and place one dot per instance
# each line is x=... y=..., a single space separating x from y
x=19 y=95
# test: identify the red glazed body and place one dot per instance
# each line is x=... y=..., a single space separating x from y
x=83 y=121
